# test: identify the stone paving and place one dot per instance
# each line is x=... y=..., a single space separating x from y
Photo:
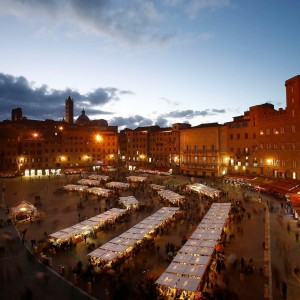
x=20 y=272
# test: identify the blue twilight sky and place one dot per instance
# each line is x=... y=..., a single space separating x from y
x=141 y=62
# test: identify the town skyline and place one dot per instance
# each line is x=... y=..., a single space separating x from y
x=146 y=62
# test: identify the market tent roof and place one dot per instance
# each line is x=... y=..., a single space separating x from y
x=75 y=187
x=90 y=182
x=118 y=245
x=99 y=191
x=88 y=224
x=168 y=279
x=195 y=255
x=203 y=189
x=199 y=260
x=194 y=270
x=129 y=201
x=136 y=178
x=182 y=258
x=97 y=252
x=118 y=185
x=176 y=268
x=157 y=187
x=23 y=206
x=99 y=177
x=171 y=196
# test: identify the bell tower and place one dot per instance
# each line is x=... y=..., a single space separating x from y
x=69 y=111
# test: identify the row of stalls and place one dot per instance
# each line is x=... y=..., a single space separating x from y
x=184 y=277
x=76 y=233
x=123 y=245
x=97 y=191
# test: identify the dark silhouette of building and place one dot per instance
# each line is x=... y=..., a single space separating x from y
x=16 y=114
x=70 y=111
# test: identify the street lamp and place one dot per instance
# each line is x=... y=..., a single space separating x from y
x=98 y=138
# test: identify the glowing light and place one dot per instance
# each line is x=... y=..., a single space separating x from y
x=98 y=138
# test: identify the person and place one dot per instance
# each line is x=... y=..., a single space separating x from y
x=297 y=237
x=284 y=290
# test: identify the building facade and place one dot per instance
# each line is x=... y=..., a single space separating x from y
x=203 y=150
x=263 y=141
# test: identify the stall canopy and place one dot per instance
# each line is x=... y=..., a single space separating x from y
x=99 y=177
x=23 y=208
x=89 y=182
x=203 y=189
x=129 y=202
x=189 y=265
x=86 y=226
x=157 y=187
x=99 y=191
x=75 y=187
x=118 y=185
x=136 y=179
x=171 y=197
x=125 y=242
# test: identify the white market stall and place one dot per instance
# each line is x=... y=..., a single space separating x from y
x=24 y=210
x=171 y=197
x=188 y=268
x=203 y=189
x=102 y=178
x=157 y=187
x=76 y=232
x=89 y=182
x=129 y=202
x=118 y=185
x=123 y=244
x=136 y=179
x=75 y=187
x=99 y=191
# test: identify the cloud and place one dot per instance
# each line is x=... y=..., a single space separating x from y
x=169 y=101
x=133 y=22
x=193 y=7
x=189 y=114
x=130 y=122
x=44 y=103
x=162 y=122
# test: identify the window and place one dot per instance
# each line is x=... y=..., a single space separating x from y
x=293 y=128
x=245 y=124
x=231 y=136
x=203 y=147
x=238 y=136
x=238 y=125
x=294 y=164
x=246 y=136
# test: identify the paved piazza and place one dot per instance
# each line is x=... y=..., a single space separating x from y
x=23 y=276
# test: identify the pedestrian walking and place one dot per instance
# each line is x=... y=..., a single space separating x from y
x=297 y=237
x=284 y=290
